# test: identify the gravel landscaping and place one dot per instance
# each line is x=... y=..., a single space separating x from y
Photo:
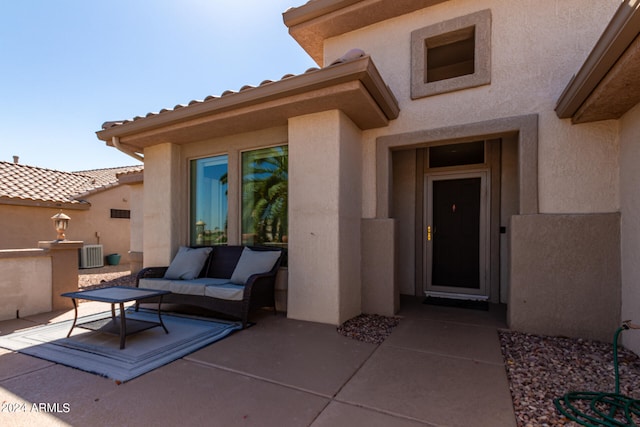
x=542 y=368
x=107 y=276
x=371 y=328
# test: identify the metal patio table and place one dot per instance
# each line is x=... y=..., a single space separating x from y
x=117 y=295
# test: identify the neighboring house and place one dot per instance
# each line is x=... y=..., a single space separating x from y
x=99 y=203
x=427 y=160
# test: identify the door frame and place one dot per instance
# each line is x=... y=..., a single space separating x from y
x=485 y=238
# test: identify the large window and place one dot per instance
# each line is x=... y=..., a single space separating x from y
x=265 y=196
x=209 y=201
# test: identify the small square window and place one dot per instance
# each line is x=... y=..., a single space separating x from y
x=451 y=55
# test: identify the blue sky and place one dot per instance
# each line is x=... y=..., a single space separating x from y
x=67 y=66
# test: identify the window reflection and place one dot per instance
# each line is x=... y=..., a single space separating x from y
x=209 y=201
x=265 y=196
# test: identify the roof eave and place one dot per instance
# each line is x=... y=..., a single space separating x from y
x=78 y=205
x=131 y=178
x=620 y=33
x=269 y=105
x=314 y=22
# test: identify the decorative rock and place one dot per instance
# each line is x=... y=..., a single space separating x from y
x=370 y=328
x=541 y=368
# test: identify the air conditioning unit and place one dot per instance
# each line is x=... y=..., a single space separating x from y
x=91 y=256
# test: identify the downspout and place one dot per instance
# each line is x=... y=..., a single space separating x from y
x=116 y=143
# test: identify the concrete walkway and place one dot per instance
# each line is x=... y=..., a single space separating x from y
x=440 y=367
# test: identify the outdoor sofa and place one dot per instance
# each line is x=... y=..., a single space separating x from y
x=231 y=280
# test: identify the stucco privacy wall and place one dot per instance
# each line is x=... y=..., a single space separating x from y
x=565 y=275
x=31 y=269
x=630 y=222
x=324 y=242
x=536 y=47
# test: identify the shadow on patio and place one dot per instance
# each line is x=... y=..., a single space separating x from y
x=440 y=367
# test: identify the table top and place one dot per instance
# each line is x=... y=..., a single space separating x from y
x=116 y=294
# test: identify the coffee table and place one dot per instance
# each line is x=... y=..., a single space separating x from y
x=117 y=295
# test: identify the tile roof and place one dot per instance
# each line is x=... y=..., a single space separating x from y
x=22 y=183
x=208 y=99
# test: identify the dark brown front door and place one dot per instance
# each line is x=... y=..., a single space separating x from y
x=455 y=234
x=456 y=220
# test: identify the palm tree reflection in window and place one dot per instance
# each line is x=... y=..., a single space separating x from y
x=265 y=196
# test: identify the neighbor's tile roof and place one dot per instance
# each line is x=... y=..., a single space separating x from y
x=29 y=183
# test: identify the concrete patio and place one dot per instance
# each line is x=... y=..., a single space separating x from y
x=440 y=367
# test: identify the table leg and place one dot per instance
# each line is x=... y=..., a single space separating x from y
x=160 y=315
x=113 y=313
x=123 y=326
x=75 y=316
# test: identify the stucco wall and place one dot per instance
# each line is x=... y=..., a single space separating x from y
x=565 y=275
x=136 y=238
x=25 y=283
x=324 y=218
x=164 y=204
x=536 y=47
x=30 y=224
x=630 y=222
x=114 y=232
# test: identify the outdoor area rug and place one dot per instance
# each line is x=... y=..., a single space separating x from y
x=100 y=353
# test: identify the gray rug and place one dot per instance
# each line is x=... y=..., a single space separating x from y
x=100 y=353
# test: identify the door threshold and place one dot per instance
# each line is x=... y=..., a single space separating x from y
x=441 y=300
x=451 y=295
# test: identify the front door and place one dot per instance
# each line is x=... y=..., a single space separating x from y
x=456 y=235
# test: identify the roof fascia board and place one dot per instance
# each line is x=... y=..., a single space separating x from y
x=311 y=24
x=361 y=69
x=623 y=28
x=313 y=9
x=44 y=204
x=131 y=178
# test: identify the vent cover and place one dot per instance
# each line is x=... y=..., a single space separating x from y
x=91 y=256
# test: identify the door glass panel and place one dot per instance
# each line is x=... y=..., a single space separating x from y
x=468 y=153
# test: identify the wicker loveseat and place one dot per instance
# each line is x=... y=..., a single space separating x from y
x=226 y=282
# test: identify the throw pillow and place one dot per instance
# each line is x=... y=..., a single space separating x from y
x=187 y=263
x=253 y=262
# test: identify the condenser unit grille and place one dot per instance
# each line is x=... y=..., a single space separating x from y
x=91 y=256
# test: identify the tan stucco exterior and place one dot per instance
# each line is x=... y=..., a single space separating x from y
x=557 y=41
x=561 y=282
x=31 y=269
x=324 y=244
x=356 y=137
x=630 y=220
x=31 y=224
x=33 y=280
